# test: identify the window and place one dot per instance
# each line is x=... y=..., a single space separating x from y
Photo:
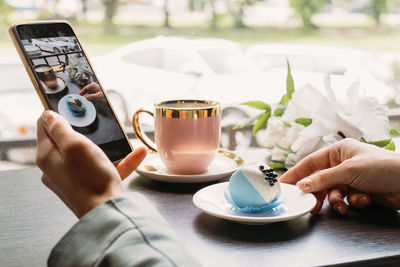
x=226 y=61
x=174 y=60
x=151 y=57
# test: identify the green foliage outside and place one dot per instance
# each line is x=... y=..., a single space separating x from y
x=109 y=13
x=214 y=16
x=196 y=5
x=236 y=9
x=306 y=9
x=377 y=8
x=5 y=11
x=100 y=39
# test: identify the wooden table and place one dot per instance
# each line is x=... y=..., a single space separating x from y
x=32 y=220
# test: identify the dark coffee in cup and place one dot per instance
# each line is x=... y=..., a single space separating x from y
x=46 y=74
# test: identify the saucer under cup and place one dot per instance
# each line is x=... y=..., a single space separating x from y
x=224 y=164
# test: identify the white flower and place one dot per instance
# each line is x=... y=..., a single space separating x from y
x=283 y=131
x=278 y=154
x=290 y=159
x=358 y=116
x=275 y=131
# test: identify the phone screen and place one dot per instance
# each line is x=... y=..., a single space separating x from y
x=69 y=85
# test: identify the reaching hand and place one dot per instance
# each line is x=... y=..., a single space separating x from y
x=93 y=91
x=349 y=168
x=76 y=169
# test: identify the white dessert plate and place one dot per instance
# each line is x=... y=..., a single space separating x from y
x=85 y=120
x=224 y=164
x=295 y=204
x=61 y=85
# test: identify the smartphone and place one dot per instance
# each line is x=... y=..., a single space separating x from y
x=67 y=84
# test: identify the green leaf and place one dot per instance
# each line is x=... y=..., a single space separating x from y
x=391 y=146
x=303 y=121
x=381 y=143
x=362 y=139
x=289 y=82
x=394 y=132
x=289 y=87
x=284 y=100
x=257 y=105
x=261 y=122
x=248 y=122
x=279 y=111
x=277 y=165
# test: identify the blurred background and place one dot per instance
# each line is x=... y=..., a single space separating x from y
x=145 y=51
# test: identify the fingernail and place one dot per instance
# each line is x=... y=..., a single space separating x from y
x=305 y=185
x=363 y=201
x=48 y=117
x=340 y=208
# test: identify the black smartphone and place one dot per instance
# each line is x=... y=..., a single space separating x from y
x=66 y=83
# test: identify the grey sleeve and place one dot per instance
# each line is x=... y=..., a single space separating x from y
x=124 y=231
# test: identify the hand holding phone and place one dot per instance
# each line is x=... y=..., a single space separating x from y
x=77 y=170
x=66 y=83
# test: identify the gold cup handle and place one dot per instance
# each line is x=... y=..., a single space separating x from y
x=139 y=132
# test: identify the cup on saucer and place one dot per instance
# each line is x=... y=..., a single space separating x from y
x=46 y=74
x=186 y=132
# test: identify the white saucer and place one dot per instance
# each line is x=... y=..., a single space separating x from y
x=85 y=120
x=295 y=204
x=224 y=164
x=61 y=85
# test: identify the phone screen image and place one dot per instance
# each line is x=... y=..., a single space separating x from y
x=70 y=87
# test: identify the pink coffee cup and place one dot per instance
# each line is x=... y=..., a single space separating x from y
x=186 y=134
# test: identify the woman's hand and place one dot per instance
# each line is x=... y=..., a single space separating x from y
x=76 y=169
x=349 y=168
x=93 y=91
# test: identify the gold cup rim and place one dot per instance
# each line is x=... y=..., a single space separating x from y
x=41 y=65
x=211 y=108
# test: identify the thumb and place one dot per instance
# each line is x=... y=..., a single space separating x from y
x=58 y=129
x=126 y=166
x=325 y=179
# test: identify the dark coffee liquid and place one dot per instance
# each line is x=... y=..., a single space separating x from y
x=46 y=74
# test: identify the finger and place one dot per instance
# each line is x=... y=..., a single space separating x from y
x=320 y=196
x=91 y=88
x=358 y=199
x=44 y=143
x=59 y=130
x=95 y=96
x=326 y=179
x=46 y=152
x=319 y=160
x=84 y=90
x=336 y=198
x=126 y=166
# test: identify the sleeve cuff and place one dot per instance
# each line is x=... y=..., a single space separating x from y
x=89 y=240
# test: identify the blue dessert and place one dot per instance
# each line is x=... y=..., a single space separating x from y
x=76 y=106
x=254 y=189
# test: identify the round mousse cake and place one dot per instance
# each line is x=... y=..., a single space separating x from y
x=254 y=187
x=76 y=106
